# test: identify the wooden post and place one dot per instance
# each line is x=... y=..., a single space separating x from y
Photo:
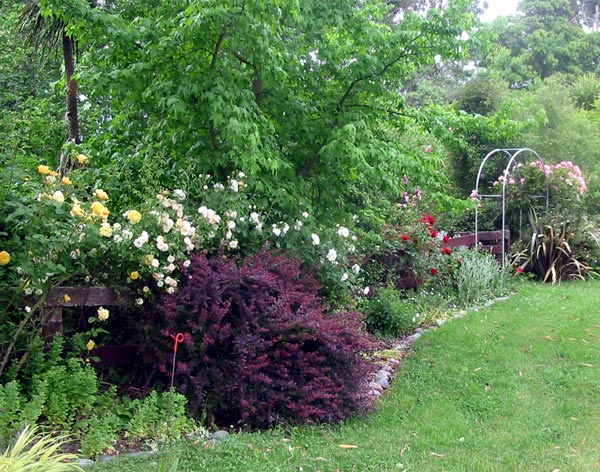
x=60 y=297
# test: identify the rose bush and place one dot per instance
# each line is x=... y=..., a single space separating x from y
x=560 y=240
x=59 y=230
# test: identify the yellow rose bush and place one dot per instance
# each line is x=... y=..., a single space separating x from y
x=66 y=231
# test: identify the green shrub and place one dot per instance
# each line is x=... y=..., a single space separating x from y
x=15 y=410
x=160 y=417
x=101 y=433
x=70 y=391
x=391 y=314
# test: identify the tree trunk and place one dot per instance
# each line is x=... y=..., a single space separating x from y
x=71 y=116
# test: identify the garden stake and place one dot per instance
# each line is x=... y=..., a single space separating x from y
x=177 y=339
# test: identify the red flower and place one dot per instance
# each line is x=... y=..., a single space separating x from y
x=433 y=233
x=446 y=238
x=405 y=237
x=446 y=250
x=433 y=271
x=431 y=220
x=519 y=270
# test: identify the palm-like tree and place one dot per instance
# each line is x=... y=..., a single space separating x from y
x=50 y=32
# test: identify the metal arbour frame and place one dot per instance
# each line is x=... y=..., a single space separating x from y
x=513 y=155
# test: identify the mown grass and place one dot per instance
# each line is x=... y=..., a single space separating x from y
x=513 y=387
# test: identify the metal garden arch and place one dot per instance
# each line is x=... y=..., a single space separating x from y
x=513 y=156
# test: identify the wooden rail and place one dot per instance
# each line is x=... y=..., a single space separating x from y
x=489 y=240
x=60 y=297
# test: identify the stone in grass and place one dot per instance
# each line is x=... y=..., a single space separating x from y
x=414 y=337
x=219 y=435
x=138 y=454
x=216 y=438
x=383 y=378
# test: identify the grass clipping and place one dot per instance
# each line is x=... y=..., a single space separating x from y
x=37 y=453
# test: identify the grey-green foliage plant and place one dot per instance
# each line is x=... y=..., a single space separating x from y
x=480 y=277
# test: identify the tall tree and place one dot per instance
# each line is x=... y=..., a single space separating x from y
x=50 y=27
x=305 y=91
x=544 y=40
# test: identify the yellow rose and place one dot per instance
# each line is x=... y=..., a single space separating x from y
x=44 y=170
x=66 y=298
x=134 y=216
x=100 y=210
x=66 y=181
x=53 y=173
x=4 y=258
x=76 y=210
x=90 y=345
x=103 y=314
x=106 y=230
x=82 y=158
x=134 y=275
x=101 y=194
x=97 y=208
x=58 y=196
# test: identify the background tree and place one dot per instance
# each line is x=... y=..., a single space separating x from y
x=48 y=27
x=27 y=102
x=544 y=40
x=302 y=97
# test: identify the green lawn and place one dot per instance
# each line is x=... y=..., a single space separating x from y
x=514 y=387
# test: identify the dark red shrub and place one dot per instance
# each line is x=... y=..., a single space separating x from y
x=259 y=346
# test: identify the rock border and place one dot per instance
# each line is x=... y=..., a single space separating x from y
x=381 y=379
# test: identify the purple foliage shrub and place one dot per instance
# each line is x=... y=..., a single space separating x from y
x=260 y=347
